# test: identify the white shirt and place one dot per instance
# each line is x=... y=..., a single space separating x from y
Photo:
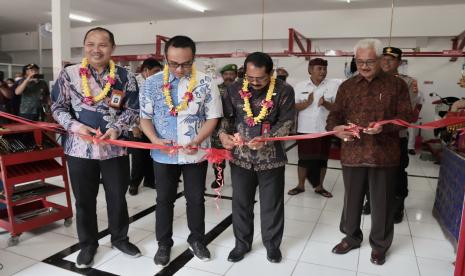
x=313 y=118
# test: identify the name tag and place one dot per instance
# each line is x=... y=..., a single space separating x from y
x=116 y=99
x=266 y=128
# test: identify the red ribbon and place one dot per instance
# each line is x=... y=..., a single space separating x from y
x=356 y=129
x=219 y=155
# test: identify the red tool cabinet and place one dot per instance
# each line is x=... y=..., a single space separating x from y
x=28 y=156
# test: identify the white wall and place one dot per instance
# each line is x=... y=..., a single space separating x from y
x=338 y=29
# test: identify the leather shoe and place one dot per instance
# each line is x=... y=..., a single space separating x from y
x=133 y=190
x=399 y=216
x=377 y=258
x=127 y=248
x=237 y=254
x=343 y=247
x=366 y=208
x=274 y=256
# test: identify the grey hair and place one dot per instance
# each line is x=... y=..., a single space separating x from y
x=370 y=43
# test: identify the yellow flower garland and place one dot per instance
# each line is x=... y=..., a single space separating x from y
x=187 y=95
x=85 y=84
x=266 y=104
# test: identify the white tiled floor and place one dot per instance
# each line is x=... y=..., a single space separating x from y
x=311 y=230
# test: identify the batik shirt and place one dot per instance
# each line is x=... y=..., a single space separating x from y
x=184 y=127
x=280 y=119
x=69 y=110
x=361 y=102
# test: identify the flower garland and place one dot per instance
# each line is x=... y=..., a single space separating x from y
x=188 y=96
x=85 y=74
x=266 y=104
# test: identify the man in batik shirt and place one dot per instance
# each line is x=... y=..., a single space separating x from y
x=181 y=106
x=97 y=98
x=258 y=106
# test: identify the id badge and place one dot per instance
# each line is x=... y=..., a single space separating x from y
x=266 y=128
x=116 y=99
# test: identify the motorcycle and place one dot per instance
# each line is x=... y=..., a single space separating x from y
x=442 y=106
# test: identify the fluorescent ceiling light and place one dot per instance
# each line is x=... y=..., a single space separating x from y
x=80 y=18
x=348 y=1
x=192 y=5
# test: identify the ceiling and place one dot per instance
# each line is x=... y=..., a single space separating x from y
x=25 y=15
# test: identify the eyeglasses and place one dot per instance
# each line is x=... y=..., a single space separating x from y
x=368 y=62
x=175 y=65
x=256 y=79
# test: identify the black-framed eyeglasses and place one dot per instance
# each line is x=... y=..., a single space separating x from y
x=368 y=62
x=175 y=65
x=256 y=79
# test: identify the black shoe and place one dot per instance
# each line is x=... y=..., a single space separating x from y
x=377 y=258
x=127 y=248
x=162 y=257
x=215 y=185
x=366 y=208
x=85 y=258
x=399 y=216
x=133 y=190
x=237 y=254
x=200 y=251
x=412 y=152
x=274 y=255
x=151 y=186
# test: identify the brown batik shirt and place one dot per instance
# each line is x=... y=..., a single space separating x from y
x=361 y=102
x=280 y=118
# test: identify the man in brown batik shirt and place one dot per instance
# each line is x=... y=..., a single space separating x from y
x=257 y=163
x=364 y=99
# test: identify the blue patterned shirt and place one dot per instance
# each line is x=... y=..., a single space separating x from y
x=70 y=112
x=182 y=129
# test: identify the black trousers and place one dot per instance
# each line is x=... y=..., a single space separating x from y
x=85 y=178
x=382 y=200
x=167 y=176
x=313 y=167
x=271 y=189
x=401 y=182
x=142 y=164
x=32 y=117
x=142 y=168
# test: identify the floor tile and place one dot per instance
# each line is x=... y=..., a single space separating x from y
x=45 y=269
x=434 y=249
x=42 y=246
x=320 y=253
x=125 y=265
x=305 y=269
x=12 y=263
x=430 y=267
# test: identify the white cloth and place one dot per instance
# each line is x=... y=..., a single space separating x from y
x=313 y=118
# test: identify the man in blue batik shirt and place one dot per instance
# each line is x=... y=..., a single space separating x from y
x=166 y=120
x=90 y=115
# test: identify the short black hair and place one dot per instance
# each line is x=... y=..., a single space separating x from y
x=180 y=41
x=150 y=63
x=100 y=29
x=2 y=75
x=259 y=59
